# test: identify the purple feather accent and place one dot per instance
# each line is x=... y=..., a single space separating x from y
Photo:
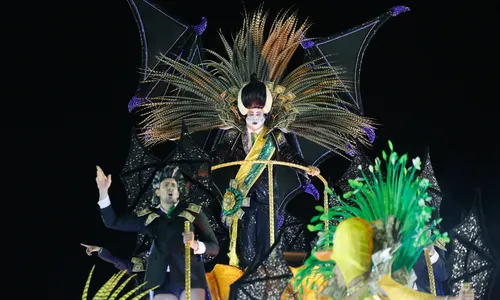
x=281 y=220
x=200 y=28
x=147 y=136
x=311 y=190
x=133 y=103
x=396 y=10
x=306 y=43
x=370 y=133
x=352 y=151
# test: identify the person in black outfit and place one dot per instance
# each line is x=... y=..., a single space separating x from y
x=253 y=231
x=439 y=268
x=165 y=224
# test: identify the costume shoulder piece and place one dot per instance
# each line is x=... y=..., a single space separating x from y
x=304 y=101
x=190 y=212
x=144 y=212
x=187 y=215
x=151 y=217
x=194 y=208
x=150 y=213
x=138 y=264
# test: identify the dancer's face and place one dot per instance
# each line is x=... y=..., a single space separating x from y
x=255 y=119
x=168 y=191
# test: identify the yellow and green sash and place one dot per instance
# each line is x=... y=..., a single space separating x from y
x=262 y=149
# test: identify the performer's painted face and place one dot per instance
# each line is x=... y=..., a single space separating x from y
x=168 y=191
x=255 y=119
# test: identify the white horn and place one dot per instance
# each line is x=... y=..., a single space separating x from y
x=269 y=101
x=243 y=110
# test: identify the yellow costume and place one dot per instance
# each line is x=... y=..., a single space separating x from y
x=358 y=234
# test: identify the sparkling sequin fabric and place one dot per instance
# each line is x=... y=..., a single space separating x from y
x=293 y=238
x=136 y=177
x=137 y=181
x=434 y=190
x=267 y=281
x=231 y=147
x=353 y=171
x=471 y=257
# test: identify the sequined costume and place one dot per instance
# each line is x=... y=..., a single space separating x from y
x=377 y=241
x=253 y=231
x=304 y=102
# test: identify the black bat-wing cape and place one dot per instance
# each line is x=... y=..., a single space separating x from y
x=345 y=49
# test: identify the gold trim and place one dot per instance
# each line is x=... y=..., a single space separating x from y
x=143 y=212
x=194 y=208
x=150 y=218
x=187 y=215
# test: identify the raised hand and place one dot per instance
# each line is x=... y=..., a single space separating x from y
x=313 y=171
x=89 y=249
x=103 y=181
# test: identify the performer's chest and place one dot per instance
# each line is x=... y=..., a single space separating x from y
x=168 y=230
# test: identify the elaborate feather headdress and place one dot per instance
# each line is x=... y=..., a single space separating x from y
x=304 y=100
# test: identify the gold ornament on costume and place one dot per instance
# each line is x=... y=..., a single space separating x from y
x=232 y=203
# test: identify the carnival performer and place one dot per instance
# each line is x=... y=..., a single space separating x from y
x=165 y=225
x=254 y=106
x=258 y=107
x=377 y=243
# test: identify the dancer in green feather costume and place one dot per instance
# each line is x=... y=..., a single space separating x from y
x=377 y=241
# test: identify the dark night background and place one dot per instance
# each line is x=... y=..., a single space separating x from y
x=416 y=80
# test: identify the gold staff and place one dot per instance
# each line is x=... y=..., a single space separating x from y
x=430 y=271
x=187 y=253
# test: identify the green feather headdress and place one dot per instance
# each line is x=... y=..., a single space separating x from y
x=397 y=205
x=399 y=200
x=110 y=290
x=304 y=100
